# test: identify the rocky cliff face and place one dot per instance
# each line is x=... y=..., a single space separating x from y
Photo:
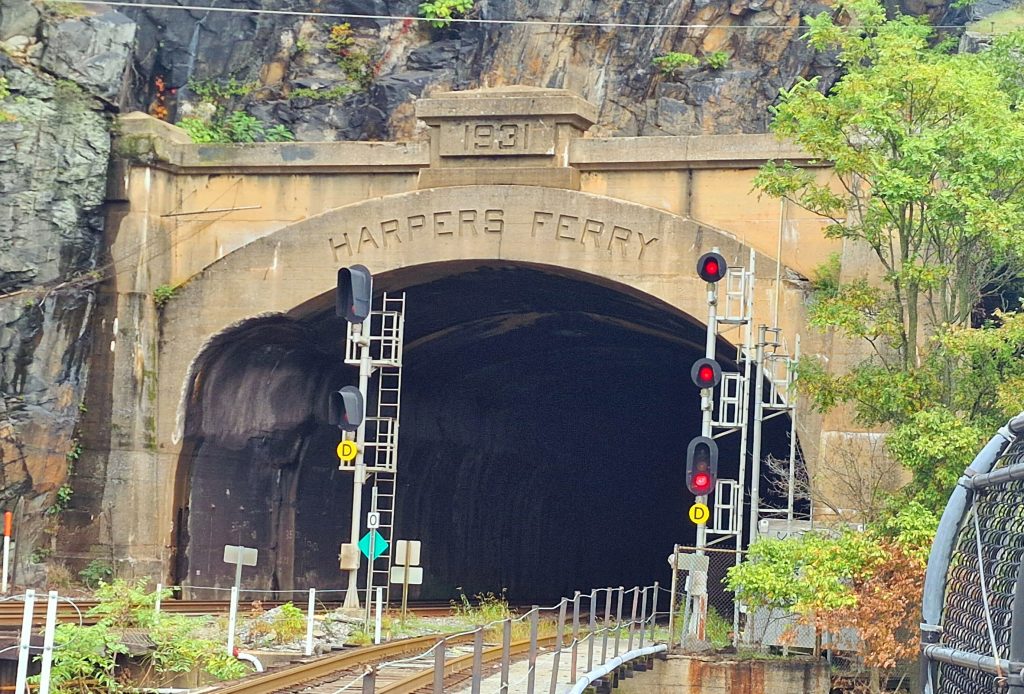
x=69 y=67
x=62 y=74
x=361 y=85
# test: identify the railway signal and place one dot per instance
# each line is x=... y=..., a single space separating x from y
x=354 y=294
x=346 y=409
x=711 y=267
x=701 y=465
x=706 y=373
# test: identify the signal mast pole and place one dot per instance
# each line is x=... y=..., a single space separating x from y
x=711 y=267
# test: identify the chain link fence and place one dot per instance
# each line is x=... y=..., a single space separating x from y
x=973 y=625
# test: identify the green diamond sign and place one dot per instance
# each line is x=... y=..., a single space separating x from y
x=379 y=544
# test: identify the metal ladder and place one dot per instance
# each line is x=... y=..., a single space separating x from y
x=780 y=371
x=730 y=416
x=381 y=440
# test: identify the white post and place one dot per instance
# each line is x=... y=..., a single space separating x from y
x=748 y=354
x=755 y=456
x=7 y=549
x=791 y=401
x=358 y=479
x=26 y=636
x=706 y=406
x=310 y=618
x=232 y=616
x=380 y=612
x=7 y=555
x=159 y=592
x=51 y=627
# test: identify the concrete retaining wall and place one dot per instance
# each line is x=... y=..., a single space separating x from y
x=688 y=675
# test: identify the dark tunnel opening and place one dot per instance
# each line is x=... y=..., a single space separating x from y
x=545 y=419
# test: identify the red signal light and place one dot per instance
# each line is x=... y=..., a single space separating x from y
x=701 y=465
x=706 y=373
x=711 y=267
x=702 y=482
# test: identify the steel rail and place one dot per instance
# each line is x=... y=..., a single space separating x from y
x=423 y=679
x=278 y=679
x=11 y=611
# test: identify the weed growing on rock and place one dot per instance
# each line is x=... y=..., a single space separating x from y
x=719 y=60
x=58 y=9
x=355 y=63
x=441 y=12
x=332 y=94
x=216 y=92
x=674 y=61
x=95 y=573
x=289 y=623
x=237 y=127
x=341 y=39
x=5 y=92
x=61 y=502
x=165 y=292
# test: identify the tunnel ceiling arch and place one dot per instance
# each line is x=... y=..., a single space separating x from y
x=652 y=251
x=546 y=415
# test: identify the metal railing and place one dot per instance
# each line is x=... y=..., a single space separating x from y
x=590 y=643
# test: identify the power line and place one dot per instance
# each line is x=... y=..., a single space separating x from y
x=410 y=18
x=454 y=20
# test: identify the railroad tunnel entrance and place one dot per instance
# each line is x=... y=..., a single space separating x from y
x=545 y=419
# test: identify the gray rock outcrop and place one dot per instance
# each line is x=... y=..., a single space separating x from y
x=91 y=51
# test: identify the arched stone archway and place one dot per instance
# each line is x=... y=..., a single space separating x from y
x=638 y=257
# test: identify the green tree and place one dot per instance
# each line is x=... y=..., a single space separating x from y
x=928 y=161
x=869 y=581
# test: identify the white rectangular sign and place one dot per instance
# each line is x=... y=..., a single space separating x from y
x=233 y=554
x=410 y=546
x=415 y=575
x=686 y=561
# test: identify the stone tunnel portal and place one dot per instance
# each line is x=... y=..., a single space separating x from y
x=545 y=420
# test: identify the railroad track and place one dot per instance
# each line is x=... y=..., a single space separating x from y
x=11 y=611
x=327 y=674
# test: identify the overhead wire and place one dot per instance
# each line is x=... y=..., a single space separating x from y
x=453 y=20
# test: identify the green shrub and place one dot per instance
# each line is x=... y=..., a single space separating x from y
x=165 y=292
x=289 y=622
x=278 y=133
x=241 y=127
x=340 y=41
x=84 y=659
x=5 y=92
x=60 y=504
x=95 y=573
x=718 y=60
x=717 y=630
x=674 y=60
x=441 y=12
x=338 y=92
x=217 y=92
x=237 y=127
